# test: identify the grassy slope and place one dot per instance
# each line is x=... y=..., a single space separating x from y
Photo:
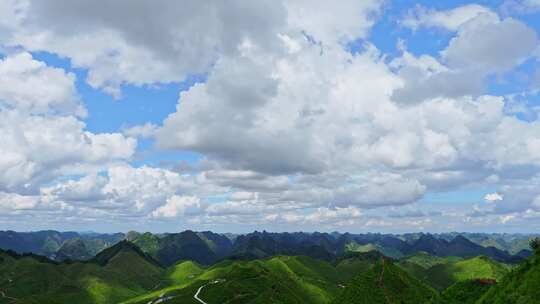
x=281 y=279
x=440 y=273
x=443 y=275
x=394 y=285
x=521 y=286
x=464 y=292
x=175 y=278
x=427 y=260
x=354 y=263
x=180 y=273
x=125 y=276
x=148 y=243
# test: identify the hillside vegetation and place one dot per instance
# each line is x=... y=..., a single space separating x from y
x=441 y=273
x=281 y=279
x=385 y=283
x=521 y=286
x=464 y=292
x=165 y=270
x=109 y=279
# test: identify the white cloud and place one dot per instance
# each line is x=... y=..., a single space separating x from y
x=13 y=201
x=425 y=78
x=484 y=43
x=507 y=218
x=480 y=48
x=329 y=22
x=306 y=113
x=291 y=126
x=118 y=43
x=375 y=193
x=43 y=136
x=36 y=149
x=238 y=208
x=89 y=190
x=126 y=191
x=336 y=215
x=492 y=197
x=33 y=87
x=146 y=130
x=177 y=206
x=451 y=19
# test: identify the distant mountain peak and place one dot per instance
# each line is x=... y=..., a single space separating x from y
x=460 y=239
x=105 y=256
x=73 y=249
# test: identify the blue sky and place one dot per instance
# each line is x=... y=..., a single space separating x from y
x=195 y=121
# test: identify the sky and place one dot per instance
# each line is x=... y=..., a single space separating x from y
x=297 y=115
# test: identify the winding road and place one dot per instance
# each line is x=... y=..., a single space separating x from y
x=196 y=296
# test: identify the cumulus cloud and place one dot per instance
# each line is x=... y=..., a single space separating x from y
x=244 y=207
x=127 y=191
x=492 y=197
x=480 y=48
x=118 y=43
x=375 y=193
x=43 y=136
x=290 y=125
x=449 y=19
x=424 y=78
x=321 y=216
x=413 y=213
x=507 y=218
x=333 y=22
x=302 y=119
x=483 y=43
x=146 y=130
x=35 y=149
x=33 y=87
x=177 y=206
x=13 y=201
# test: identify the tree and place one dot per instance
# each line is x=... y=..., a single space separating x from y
x=535 y=245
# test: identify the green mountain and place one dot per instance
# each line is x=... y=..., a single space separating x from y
x=207 y=247
x=512 y=243
x=40 y=242
x=426 y=260
x=49 y=242
x=122 y=249
x=521 y=285
x=260 y=267
x=119 y=273
x=459 y=246
x=387 y=251
x=202 y=247
x=258 y=245
x=442 y=276
x=385 y=283
x=440 y=273
x=352 y=263
x=147 y=241
x=73 y=249
x=464 y=292
x=281 y=279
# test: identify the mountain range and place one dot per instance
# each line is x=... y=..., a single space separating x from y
x=208 y=247
x=268 y=268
